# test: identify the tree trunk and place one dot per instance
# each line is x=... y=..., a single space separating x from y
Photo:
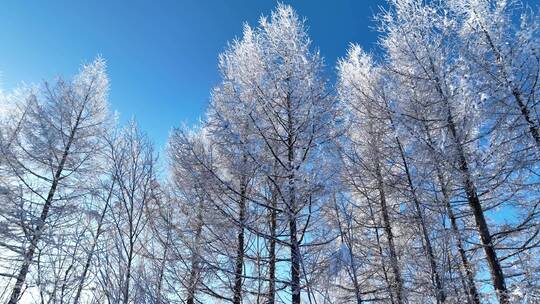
x=295 y=246
x=471 y=288
x=526 y=113
x=272 y=249
x=237 y=298
x=497 y=275
x=194 y=271
x=381 y=251
x=295 y=263
x=159 y=288
x=524 y=110
x=441 y=295
x=472 y=292
x=92 y=248
x=128 y=275
x=398 y=283
x=347 y=239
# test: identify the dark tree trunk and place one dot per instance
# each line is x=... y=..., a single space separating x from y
x=472 y=292
x=295 y=263
x=295 y=246
x=526 y=113
x=347 y=239
x=523 y=108
x=398 y=283
x=94 y=244
x=471 y=286
x=237 y=298
x=497 y=275
x=194 y=271
x=128 y=274
x=441 y=295
x=272 y=249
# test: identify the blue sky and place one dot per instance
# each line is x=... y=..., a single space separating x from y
x=162 y=55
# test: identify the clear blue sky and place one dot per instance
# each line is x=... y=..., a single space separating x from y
x=162 y=55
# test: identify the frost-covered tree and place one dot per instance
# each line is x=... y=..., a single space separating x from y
x=380 y=167
x=499 y=43
x=367 y=156
x=50 y=155
x=271 y=125
x=200 y=260
x=443 y=110
x=133 y=166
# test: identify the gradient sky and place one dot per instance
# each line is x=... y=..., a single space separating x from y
x=162 y=55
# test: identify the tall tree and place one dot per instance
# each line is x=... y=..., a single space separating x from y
x=55 y=148
x=133 y=164
x=423 y=46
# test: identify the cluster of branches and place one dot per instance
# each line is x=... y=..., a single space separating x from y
x=415 y=181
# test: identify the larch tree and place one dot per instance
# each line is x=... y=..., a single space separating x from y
x=438 y=96
x=53 y=151
x=133 y=165
x=369 y=154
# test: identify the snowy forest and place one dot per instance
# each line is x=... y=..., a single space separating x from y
x=414 y=177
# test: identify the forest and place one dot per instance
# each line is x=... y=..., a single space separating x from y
x=412 y=176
